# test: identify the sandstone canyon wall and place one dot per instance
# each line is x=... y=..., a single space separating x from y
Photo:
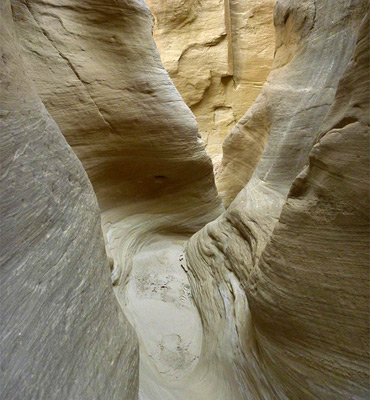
x=218 y=54
x=270 y=299
x=319 y=256
x=96 y=68
x=283 y=277
x=303 y=78
x=64 y=335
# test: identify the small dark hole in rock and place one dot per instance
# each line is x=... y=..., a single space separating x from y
x=226 y=79
x=344 y=122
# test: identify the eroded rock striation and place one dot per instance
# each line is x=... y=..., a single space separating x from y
x=310 y=291
x=218 y=54
x=104 y=84
x=267 y=301
x=64 y=335
x=97 y=70
x=312 y=48
x=277 y=276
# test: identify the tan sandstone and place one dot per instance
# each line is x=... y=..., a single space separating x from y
x=285 y=267
x=63 y=334
x=218 y=54
x=96 y=67
x=267 y=301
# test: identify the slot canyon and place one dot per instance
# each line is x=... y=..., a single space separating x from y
x=185 y=199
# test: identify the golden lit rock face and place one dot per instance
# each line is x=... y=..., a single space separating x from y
x=302 y=80
x=218 y=54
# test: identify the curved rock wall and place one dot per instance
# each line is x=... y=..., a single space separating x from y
x=218 y=54
x=268 y=301
x=63 y=335
x=303 y=80
x=96 y=67
x=225 y=256
x=309 y=294
x=97 y=70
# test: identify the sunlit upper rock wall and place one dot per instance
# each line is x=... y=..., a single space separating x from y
x=218 y=53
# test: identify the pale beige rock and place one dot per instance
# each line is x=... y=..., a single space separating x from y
x=302 y=78
x=63 y=334
x=218 y=54
x=96 y=68
x=100 y=77
x=310 y=296
x=225 y=256
x=278 y=281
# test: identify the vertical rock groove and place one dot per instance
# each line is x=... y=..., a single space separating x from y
x=218 y=54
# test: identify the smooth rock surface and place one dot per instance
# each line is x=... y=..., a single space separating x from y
x=103 y=82
x=218 y=54
x=268 y=301
x=64 y=335
x=97 y=70
x=310 y=296
x=313 y=42
x=224 y=257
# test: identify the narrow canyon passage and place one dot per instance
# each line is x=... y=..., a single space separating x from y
x=218 y=54
x=158 y=302
x=156 y=298
x=126 y=274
